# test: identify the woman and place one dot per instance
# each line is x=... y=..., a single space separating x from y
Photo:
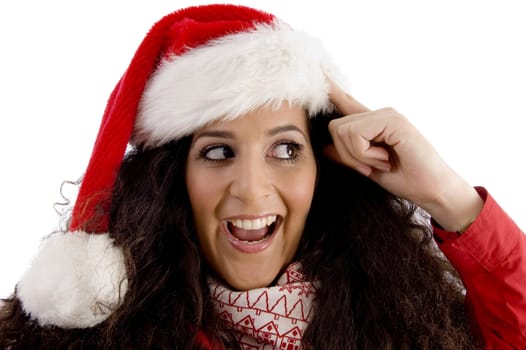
x=263 y=207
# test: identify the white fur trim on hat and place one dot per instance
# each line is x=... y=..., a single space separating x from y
x=75 y=281
x=231 y=76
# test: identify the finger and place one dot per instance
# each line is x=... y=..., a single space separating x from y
x=357 y=136
x=365 y=169
x=377 y=152
x=363 y=152
x=331 y=152
x=344 y=102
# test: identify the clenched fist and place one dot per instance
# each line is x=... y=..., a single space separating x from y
x=387 y=148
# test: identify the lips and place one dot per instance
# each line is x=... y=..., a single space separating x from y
x=251 y=235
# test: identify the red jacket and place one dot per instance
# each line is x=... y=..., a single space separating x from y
x=491 y=259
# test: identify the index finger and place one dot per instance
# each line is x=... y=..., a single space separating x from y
x=344 y=103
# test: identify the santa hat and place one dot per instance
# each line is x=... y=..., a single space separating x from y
x=196 y=65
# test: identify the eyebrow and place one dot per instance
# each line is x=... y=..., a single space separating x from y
x=285 y=128
x=215 y=133
x=272 y=132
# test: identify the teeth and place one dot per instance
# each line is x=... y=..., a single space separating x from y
x=250 y=242
x=255 y=224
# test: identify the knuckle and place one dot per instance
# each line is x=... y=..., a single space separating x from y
x=393 y=113
x=389 y=111
x=333 y=124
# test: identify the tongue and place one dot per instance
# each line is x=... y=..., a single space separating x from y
x=248 y=235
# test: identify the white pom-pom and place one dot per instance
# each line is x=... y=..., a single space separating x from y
x=75 y=281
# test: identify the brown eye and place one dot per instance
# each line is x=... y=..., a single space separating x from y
x=217 y=153
x=286 y=151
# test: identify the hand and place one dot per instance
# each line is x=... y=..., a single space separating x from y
x=387 y=148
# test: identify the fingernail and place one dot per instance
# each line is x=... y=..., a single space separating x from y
x=383 y=167
x=364 y=169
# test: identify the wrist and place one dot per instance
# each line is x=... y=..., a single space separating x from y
x=457 y=208
x=465 y=227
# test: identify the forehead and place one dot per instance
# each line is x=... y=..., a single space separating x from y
x=263 y=117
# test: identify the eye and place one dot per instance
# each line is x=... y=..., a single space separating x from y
x=287 y=151
x=216 y=153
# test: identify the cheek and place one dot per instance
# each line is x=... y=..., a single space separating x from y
x=299 y=190
x=196 y=190
x=201 y=193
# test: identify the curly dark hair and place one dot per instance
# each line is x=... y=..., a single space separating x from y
x=383 y=282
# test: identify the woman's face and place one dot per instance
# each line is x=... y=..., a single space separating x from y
x=251 y=182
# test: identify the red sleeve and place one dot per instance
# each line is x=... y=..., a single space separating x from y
x=490 y=257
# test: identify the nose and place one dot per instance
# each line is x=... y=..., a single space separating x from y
x=251 y=179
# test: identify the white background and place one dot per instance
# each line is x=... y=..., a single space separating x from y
x=457 y=69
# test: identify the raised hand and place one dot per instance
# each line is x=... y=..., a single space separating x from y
x=387 y=148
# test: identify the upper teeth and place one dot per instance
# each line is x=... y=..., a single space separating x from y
x=255 y=224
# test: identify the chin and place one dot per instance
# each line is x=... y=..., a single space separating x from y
x=252 y=281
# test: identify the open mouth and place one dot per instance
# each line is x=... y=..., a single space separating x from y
x=255 y=233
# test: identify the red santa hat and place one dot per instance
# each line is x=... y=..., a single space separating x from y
x=195 y=66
